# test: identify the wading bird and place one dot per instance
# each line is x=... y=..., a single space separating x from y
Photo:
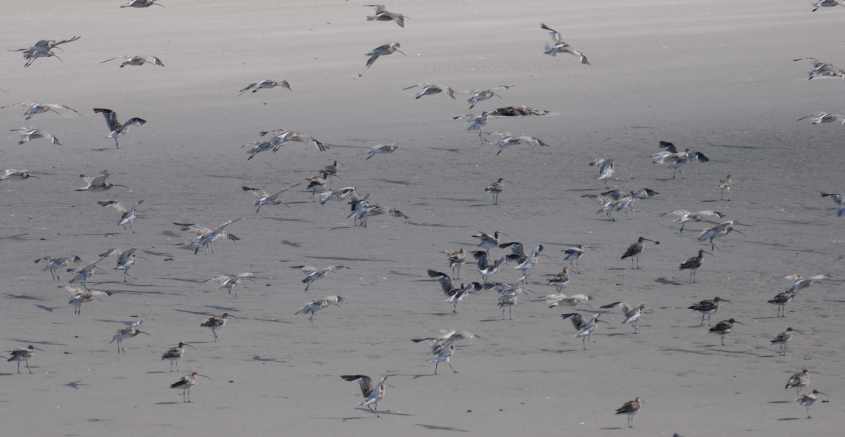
x=693 y=264
x=174 y=355
x=495 y=189
x=373 y=393
x=215 y=323
x=808 y=399
x=798 y=381
x=185 y=384
x=630 y=409
x=707 y=308
x=22 y=356
x=724 y=328
x=313 y=307
x=132 y=330
x=635 y=250
x=54 y=264
x=583 y=327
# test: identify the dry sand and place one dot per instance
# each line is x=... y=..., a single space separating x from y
x=716 y=74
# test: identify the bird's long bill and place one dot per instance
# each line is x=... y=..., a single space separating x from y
x=737 y=322
x=400 y=51
x=724 y=300
x=709 y=253
x=204 y=376
x=653 y=241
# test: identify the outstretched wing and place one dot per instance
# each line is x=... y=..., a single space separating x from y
x=113 y=204
x=670 y=147
x=363 y=380
x=110 y=116
x=555 y=34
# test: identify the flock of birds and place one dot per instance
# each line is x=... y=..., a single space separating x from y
x=491 y=255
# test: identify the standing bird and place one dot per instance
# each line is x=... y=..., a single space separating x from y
x=456 y=258
x=53 y=265
x=185 y=383
x=725 y=187
x=127 y=215
x=798 y=381
x=630 y=409
x=507 y=296
x=630 y=314
x=215 y=323
x=526 y=266
x=583 y=327
x=838 y=200
x=634 y=251
x=98 y=183
x=116 y=128
x=314 y=274
x=781 y=299
x=605 y=166
x=573 y=254
x=693 y=264
x=822 y=70
x=313 y=307
x=675 y=159
x=430 y=89
x=125 y=261
x=174 y=355
x=724 y=328
x=28 y=134
x=559 y=46
x=142 y=4
x=495 y=189
x=707 y=307
x=43 y=49
x=265 y=84
x=206 y=236
x=453 y=294
x=230 y=282
x=373 y=393
x=382 y=50
x=559 y=280
x=474 y=122
x=132 y=330
x=136 y=61
x=381 y=149
x=22 y=356
x=781 y=340
x=382 y=14
x=808 y=399
x=717 y=231
x=79 y=296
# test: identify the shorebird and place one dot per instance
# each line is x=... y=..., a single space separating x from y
x=54 y=264
x=725 y=186
x=798 y=381
x=781 y=299
x=583 y=327
x=382 y=14
x=381 y=149
x=559 y=280
x=573 y=254
x=618 y=203
x=781 y=340
x=683 y=217
x=340 y=194
x=313 y=307
x=556 y=299
x=132 y=330
x=675 y=159
x=28 y=134
x=826 y=4
x=284 y=136
x=174 y=355
x=707 y=307
x=265 y=198
x=517 y=254
x=373 y=393
x=724 y=328
x=487 y=241
x=13 y=173
x=185 y=384
x=837 y=199
x=127 y=215
x=116 y=128
x=444 y=355
x=430 y=89
x=230 y=282
x=215 y=323
x=136 y=61
x=559 y=46
x=605 y=166
x=508 y=140
x=85 y=273
x=206 y=236
x=478 y=96
x=22 y=356
x=456 y=258
x=630 y=314
x=33 y=109
x=43 y=49
x=635 y=250
x=808 y=399
x=454 y=295
x=526 y=266
x=822 y=70
x=79 y=296
x=507 y=295
x=630 y=409
x=823 y=118
x=474 y=122
x=717 y=231
x=484 y=266
x=443 y=346
x=693 y=264
x=125 y=260
x=314 y=274
x=141 y=4
x=495 y=189
x=265 y=84
x=382 y=50
x=363 y=209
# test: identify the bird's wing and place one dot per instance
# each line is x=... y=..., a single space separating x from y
x=155 y=60
x=56 y=107
x=555 y=34
x=248 y=87
x=225 y=224
x=110 y=116
x=135 y=120
x=65 y=41
x=372 y=60
x=113 y=204
x=379 y=8
x=112 y=59
x=363 y=380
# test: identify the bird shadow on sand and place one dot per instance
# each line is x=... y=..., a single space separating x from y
x=384 y=412
x=440 y=428
x=559 y=351
x=222 y=308
x=779 y=402
x=664 y=281
x=23 y=297
x=6 y=374
x=169 y=403
x=41 y=342
x=441 y=314
x=103 y=149
x=15 y=237
x=612 y=428
x=788 y=419
x=196 y=313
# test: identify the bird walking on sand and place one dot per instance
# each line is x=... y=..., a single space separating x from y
x=717 y=231
x=430 y=89
x=724 y=328
x=382 y=50
x=726 y=185
x=676 y=159
x=782 y=340
x=373 y=393
x=125 y=260
x=630 y=409
x=707 y=307
x=822 y=70
x=454 y=294
x=631 y=314
x=693 y=264
x=457 y=258
x=635 y=250
x=381 y=149
x=495 y=189
x=230 y=282
x=798 y=381
x=54 y=264
x=132 y=330
x=116 y=128
x=584 y=327
x=215 y=323
x=507 y=296
x=185 y=383
x=174 y=355
x=44 y=49
x=22 y=356
x=382 y=14
x=559 y=46
x=136 y=61
x=807 y=400
x=265 y=84
x=127 y=215
x=313 y=307
x=28 y=134
x=314 y=274
x=781 y=299
x=605 y=166
x=81 y=295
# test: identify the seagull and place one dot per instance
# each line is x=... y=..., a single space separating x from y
x=822 y=70
x=373 y=393
x=616 y=203
x=33 y=109
x=284 y=136
x=631 y=314
x=214 y=323
x=808 y=399
x=79 y=296
x=265 y=84
x=559 y=280
x=837 y=199
x=782 y=339
x=444 y=355
x=229 y=282
x=487 y=241
x=53 y=265
x=725 y=186
x=141 y=4
x=127 y=215
x=495 y=189
x=635 y=249
x=583 y=327
x=311 y=308
x=693 y=264
x=382 y=50
x=573 y=254
x=707 y=307
x=559 y=46
x=98 y=183
x=798 y=381
x=186 y=382
x=823 y=118
x=13 y=173
x=116 y=128
x=724 y=328
x=87 y=272
x=508 y=140
x=530 y=262
x=131 y=330
x=507 y=296
x=672 y=157
x=554 y=300
x=381 y=149
x=174 y=355
x=478 y=96
x=43 y=49
x=517 y=254
x=605 y=166
x=799 y=282
x=683 y=216
x=314 y=274
x=382 y=14
x=456 y=259
x=361 y=210
x=717 y=231
x=265 y=198
x=484 y=266
x=443 y=347
x=22 y=355
x=125 y=260
x=430 y=89
x=630 y=409
x=135 y=60
x=206 y=236
x=28 y=134
x=454 y=294
x=826 y=4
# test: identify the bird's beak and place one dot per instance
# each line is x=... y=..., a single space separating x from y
x=189 y=345
x=737 y=322
x=821 y=393
x=204 y=376
x=709 y=253
x=400 y=51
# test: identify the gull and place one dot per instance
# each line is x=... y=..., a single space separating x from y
x=13 y=173
x=837 y=199
x=605 y=166
x=43 y=49
x=381 y=149
x=617 y=203
x=284 y=136
x=127 y=215
x=693 y=264
x=314 y=274
x=382 y=14
x=717 y=231
x=554 y=300
x=672 y=157
x=430 y=89
x=724 y=328
x=507 y=296
x=79 y=296
x=474 y=122
x=265 y=198
x=53 y=264
x=478 y=96
x=87 y=272
x=382 y=50
x=141 y=4
x=573 y=254
x=125 y=260
x=526 y=266
x=311 y=308
x=456 y=258
x=186 y=382
x=826 y=4
x=495 y=189
x=799 y=282
x=583 y=327
x=782 y=339
x=132 y=330
x=559 y=46
x=363 y=209
x=508 y=140
x=340 y=194
x=444 y=355
x=808 y=399
x=174 y=355
x=373 y=393
x=823 y=118
x=22 y=356
x=33 y=109
x=484 y=266
x=630 y=409
x=266 y=84
x=28 y=134
x=98 y=183
x=631 y=314
x=635 y=250
x=214 y=323
x=822 y=70
x=443 y=347
x=206 y=236
x=725 y=186
x=798 y=381
x=559 y=280
x=453 y=294
x=230 y=282
x=707 y=307
x=135 y=60
x=683 y=216
x=116 y=128
x=487 y=241
x=517 y=254
x=317 y=184
x=781 y=299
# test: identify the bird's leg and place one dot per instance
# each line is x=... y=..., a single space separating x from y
x=702 y=319
x=19 y=366
x=454 y=370
x=436 y=364
x=214 y=333
x=510 y=312
x=29 y=369
x=454 y=307
x=722 y=337
x=584 y=343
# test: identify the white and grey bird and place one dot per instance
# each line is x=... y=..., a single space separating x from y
x=799 y=282
x=826 y=4
x=141 y=4
x=554 y=300
x=485 y=267
x=559 y=280
x=33 y=109
x=782 y=340
x=807 y=400
x=457 y=258
x=474 y=122
x=495 y=189
x=631 y=314
x=715 y=232
x=314 y=274
x=361 y=210
x=823 y=118
x=507 y=296
x=116 y=128
x=205 y=237
x=454 y=294
x=229 y=282
x=798 y=381
x=683 y=217
x=28 y=134
x=443 y=346
x=135 y=61
x=15 y=173
x=481 y=95
x=381 y=149
x=98 y=183
x=382 y=14
x=822 y=70
x=572 y=254
x=382 y=50
x=263 y=198
x=284 y=136
x=373 y=393
x=487 y=241
x=726 y=185
x=127 y=215
x=265 y=84
x=215 y=323
x=507 y=140
x=430 y=89
x=529 y=264
x=43 y=49
x=131 y=330
x=55 y=264
x=82 y=295
x=22 y=356
x=584 y=327
x=82 y=275
x=313 y=307
x=671 y=156
x=605 y=167
x=558 y=46
x=125 y=260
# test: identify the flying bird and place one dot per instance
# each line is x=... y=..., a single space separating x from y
x=98 y=183
x=381 y=149
x=127 y=215
x=382 y=14
x=263 y=198
x=558 y=46
x=33 y=109
x=43 y=49
x=141 y=4
x=136 y=61
x=116 y=128
x=822 y=70
x=266 y=84
x=382 y=50
x=430 y=89
x=373 y=393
